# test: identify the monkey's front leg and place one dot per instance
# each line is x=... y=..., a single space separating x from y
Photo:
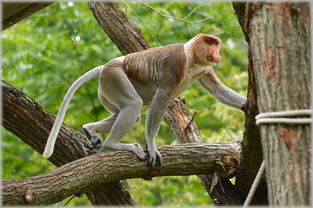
x=225 y=95
x=155 y=114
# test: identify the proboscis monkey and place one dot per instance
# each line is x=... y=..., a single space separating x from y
x=151 y=77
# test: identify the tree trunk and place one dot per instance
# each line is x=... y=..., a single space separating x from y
x=128 y=39
x=251 y=154
x=280 y=45
x=32 y=124
x=80 y=175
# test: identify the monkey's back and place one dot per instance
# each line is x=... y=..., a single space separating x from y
x=156 y=64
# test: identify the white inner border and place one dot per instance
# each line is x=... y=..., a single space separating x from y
x=1 y=71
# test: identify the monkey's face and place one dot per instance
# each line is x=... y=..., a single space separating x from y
x=207 y=49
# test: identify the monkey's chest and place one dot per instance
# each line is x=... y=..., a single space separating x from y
x=191 y=75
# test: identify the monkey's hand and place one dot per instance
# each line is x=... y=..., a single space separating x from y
x=154 y=157
x=138 y=151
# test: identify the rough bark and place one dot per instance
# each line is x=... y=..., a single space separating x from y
x=13 y=12
x=280 y=44
x=80 y=175
x=128 y=39
x=32 y=124
x=251 y=154
x=121 y=30
x=221 y=190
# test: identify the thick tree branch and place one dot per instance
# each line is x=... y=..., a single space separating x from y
x=121 y=30
x=222 y=191
x=80 y=175
x=30 y=122
x=127 y=37
x=13 y=12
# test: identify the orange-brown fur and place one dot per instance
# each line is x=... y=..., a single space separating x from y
x=156 y=64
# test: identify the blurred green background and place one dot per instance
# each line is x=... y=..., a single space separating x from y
x=46 y=52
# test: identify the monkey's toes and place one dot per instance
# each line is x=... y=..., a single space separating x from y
x=87 y=134
x=159 y=158
x=96 y=143
x=155 y=158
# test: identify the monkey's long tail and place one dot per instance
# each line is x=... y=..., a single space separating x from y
x=66 y=100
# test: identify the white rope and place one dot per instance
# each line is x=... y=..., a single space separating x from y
x=284 y=120
x=275 y=117
x=255 y=184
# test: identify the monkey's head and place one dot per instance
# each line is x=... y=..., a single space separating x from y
x=206 y=49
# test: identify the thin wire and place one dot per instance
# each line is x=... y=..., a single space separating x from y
x=142 y=22
x=69 y=200
x=172 y=17
x=201 y=5
x=229 y=133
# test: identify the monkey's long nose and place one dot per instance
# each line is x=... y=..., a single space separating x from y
x=217 y=58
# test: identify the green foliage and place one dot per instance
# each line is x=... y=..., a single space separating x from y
x=169 y=191
x=20 y=161
x=45 y=53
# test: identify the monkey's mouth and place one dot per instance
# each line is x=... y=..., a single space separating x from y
x=212 y=63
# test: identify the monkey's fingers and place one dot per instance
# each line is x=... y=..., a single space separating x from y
x=151 y=160
x=139 y=151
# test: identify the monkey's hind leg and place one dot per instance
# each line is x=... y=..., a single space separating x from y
x=103 y=126
x=116 y=87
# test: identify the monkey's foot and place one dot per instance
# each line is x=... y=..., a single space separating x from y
x=138 y=118
x=155 y=158
x=87 y=134
x=138 y=151
x=96 y=142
